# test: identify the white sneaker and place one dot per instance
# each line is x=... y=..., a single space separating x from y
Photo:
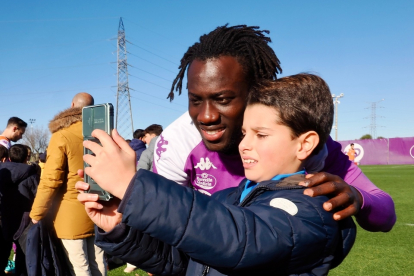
x=129 y=269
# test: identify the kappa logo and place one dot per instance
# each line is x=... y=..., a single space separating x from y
x=204 y=165
x=162 y=142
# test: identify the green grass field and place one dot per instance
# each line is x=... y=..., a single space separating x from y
x=376 y=253
x=386 y=253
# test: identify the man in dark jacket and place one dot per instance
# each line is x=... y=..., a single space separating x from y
x=138 y=143
x=18 y=185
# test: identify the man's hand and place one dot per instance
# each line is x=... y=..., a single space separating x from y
x=34 y=221
x=344 y=197
x=103 y=214
x=113 y=165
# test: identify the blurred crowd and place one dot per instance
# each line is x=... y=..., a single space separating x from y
x=44 y=229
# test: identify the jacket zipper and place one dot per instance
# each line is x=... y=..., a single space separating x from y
x=206 y=270
x=247 y=199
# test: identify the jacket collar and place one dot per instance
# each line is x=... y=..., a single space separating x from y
x=65 y=118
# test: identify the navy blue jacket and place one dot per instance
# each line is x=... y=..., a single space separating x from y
x=138 y=146
x=18 y=186
x=168 y=229
x=44 y=251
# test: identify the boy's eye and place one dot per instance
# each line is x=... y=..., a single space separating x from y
x=262 y=136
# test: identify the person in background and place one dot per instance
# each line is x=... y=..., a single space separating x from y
x=351 y=153
x=57 y=193
x=4 y=248
x=4 y=153
x=138 y=143
x=18 y=186
x=42 y=161
x=151 y=134
x=14 y=131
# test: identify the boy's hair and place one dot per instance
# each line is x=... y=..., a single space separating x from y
x=352 y=144
x=42 y=157
x=304 y=103
x=17 y=122
x=139 y=133
x=247 y=44
x=4 y=152
x=154 y=129
x=18 y=153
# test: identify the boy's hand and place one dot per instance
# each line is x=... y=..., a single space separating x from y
x=344 y=196
x=103 y=214
x=113 y=165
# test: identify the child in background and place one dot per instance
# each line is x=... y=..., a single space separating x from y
x=265 y=226
x=18 y=186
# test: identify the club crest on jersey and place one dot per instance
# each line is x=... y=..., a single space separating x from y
x=204 y=165
x=205 y=181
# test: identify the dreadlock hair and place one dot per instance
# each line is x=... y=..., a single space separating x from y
x=248 y=45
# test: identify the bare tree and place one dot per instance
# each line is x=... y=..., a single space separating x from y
x=37 y=138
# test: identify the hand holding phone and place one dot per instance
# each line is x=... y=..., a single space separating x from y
x=99 y=116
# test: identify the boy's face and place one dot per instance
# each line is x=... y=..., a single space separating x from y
x=267 y=148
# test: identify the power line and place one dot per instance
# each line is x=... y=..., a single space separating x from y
x=152 y=63
x=157 y=104
x=153 y=53
x=57 y=19
x=49 y=68
x=149 y=82
x=150 y=73
x=161 y=35
x=160 y=98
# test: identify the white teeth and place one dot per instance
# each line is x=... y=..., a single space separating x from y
x=211 y=132
x=249 y=161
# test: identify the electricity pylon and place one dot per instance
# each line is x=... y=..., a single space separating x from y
x=373 y=125
x=123 y=123
x=336 y=102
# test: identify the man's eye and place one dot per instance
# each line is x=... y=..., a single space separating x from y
x=223 y=100
x=262 y=136
x=194 y=101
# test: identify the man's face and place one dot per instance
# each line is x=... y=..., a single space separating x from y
x=148 y=137
x=217 y=93
x=17 y=133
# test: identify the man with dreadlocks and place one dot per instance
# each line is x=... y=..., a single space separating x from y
x=199 y=149
x=221 y=70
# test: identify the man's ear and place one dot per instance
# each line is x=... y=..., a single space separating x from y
x=308 y=142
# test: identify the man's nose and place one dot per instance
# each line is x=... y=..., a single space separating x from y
x=208 y=114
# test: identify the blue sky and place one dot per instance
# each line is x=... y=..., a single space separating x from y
x=51 y=50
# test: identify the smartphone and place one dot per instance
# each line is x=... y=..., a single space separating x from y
x=100 y=116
